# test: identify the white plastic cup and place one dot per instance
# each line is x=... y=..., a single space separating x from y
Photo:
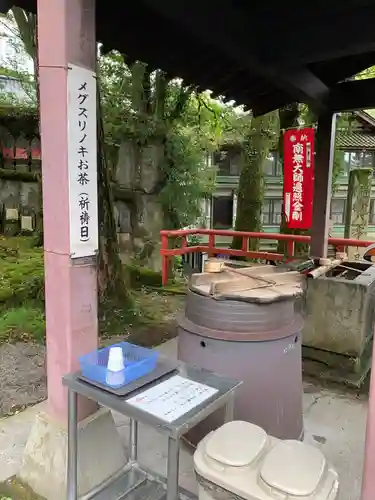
x=115 y=359
x=115 y=367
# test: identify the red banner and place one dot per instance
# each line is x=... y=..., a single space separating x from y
x=298 y=177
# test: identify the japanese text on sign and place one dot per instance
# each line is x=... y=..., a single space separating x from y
x=173 y=398
x=298 y=177
x=82 y=162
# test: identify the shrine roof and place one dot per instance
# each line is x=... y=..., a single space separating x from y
x=355 y=141
x=261 y=54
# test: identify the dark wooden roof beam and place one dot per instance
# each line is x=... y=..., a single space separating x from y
x=353 y=95
x=269 y=102
x=255 y=52
x=331 y=41
x=300 y=84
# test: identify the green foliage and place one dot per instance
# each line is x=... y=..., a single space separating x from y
x=338 y=168
x=147 y=109
x=21 y=290
x=22 y=307
x=150 y=109
x=143 y=277
x=366 y=73
x=21 y=272
x=19 y=110
x=24 y=322
x=18 y=28
x=189 y=180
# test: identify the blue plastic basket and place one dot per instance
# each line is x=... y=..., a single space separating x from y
x=138 y=361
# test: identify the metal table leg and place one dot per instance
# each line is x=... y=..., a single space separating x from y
x=229 y=410
x=72 y=472
x=133 y=441
x=173 y=469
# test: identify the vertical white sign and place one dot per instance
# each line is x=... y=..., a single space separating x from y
x=82 y=162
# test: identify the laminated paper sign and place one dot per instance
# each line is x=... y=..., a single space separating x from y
x=173 y=398
x=82 y=150
x=298 y=177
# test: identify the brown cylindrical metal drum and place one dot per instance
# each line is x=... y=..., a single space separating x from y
x=258 y=343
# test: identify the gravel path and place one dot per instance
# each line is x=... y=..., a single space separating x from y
x=22 y=376
x=22 y=366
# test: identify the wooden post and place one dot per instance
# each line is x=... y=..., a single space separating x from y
x=325 y=148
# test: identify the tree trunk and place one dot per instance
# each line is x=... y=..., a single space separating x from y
x=112 y=278
x=251 y=185
x=39 y=215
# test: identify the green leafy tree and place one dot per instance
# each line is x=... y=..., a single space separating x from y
x=154 y=126
x=158 y=133
x=20 y=29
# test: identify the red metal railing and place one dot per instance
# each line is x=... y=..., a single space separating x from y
x=182 y=234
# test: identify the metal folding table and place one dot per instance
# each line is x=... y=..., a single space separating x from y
x=134 y=482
